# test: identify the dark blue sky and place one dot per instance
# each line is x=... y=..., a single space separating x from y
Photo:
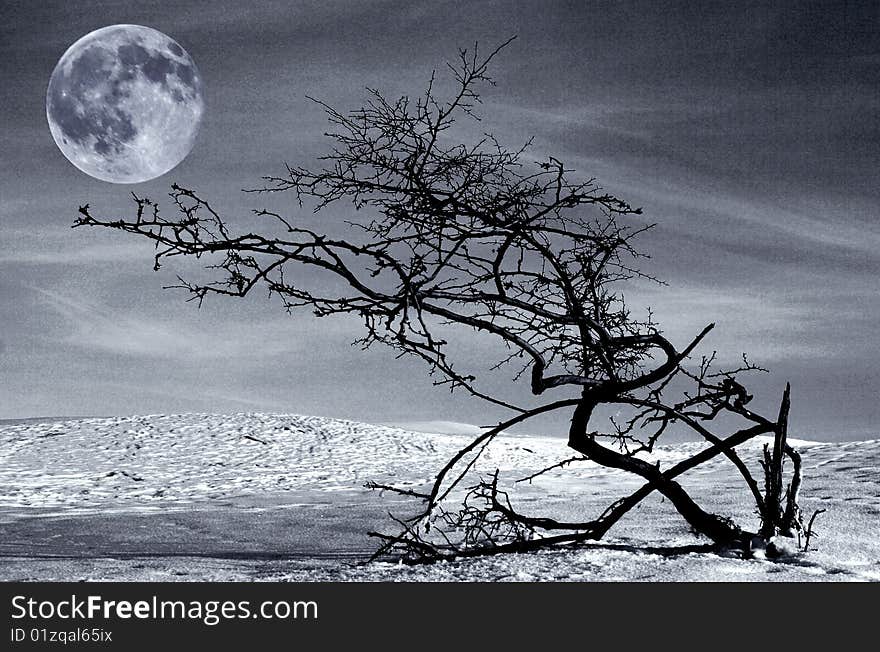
x=748 y=131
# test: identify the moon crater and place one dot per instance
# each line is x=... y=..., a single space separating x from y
x=124 y=103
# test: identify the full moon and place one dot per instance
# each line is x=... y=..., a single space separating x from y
x=125 y=103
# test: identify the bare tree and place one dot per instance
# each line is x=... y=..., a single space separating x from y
x=474 y=237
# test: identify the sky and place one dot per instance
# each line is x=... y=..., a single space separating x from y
x=747 y=131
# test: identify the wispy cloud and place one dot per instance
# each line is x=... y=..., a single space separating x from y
x=638 y=152
x=92 y=326
x=87 y=256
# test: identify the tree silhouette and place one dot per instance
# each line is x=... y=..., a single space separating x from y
x=475 y=238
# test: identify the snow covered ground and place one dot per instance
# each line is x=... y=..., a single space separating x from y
x=259 y=496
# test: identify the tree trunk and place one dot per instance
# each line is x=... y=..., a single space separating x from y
x=721 y=530
x=779 y=518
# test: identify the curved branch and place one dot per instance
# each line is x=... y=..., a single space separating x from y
x=483 y=440
x=708 y=436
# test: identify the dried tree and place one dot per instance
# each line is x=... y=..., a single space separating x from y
x=475 y=237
